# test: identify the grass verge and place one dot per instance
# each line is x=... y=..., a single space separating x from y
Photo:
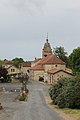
x=66 y=114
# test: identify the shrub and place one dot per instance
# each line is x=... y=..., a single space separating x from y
x=23 y=98
x=56 y=89
x=66 y=93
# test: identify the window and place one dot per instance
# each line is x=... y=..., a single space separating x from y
x=12 y=70
x=55 y=65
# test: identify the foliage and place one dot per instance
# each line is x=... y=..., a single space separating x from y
x=2 y=62
x=23 y=98
x=3 y=72
x=56 y=89
x=75 y=61
x=60 y=52
x=17 y=61
x=66 y=93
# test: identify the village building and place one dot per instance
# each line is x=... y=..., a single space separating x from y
x=50 y=67
x=57 y=73
x=13 y=71
x=11 y=68
x=25 y=67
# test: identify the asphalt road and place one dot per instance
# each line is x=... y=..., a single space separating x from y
x=35 y=108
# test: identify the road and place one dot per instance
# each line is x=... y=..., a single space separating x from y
x=35 y=108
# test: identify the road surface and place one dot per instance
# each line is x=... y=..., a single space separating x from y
x=35 y=108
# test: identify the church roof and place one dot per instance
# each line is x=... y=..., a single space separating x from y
x=52 y=59
x=38 y=67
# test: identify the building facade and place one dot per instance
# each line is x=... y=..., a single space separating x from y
x=47 y=66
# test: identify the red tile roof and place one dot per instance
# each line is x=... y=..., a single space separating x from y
x=38 y=67
x=52 y=59
x=8 y=62
x=37 y=59
x=26 y=64
x=56 y=70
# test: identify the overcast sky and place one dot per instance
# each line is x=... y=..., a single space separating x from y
x=24 y=25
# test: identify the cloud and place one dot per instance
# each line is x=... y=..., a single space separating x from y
x=27 y=6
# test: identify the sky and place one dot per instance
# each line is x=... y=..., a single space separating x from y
x=24 y=25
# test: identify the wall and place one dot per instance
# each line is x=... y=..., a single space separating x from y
x=13 y=70
x=52 y=66
x=24 y=69
x=37 y=74
x=57 y=76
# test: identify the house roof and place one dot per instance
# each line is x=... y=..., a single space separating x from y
x=56 y=70
x=52 y=59
x=38 y=67
x=8 y=62
x=37 y=59
x=13 y=66
x=26 y=64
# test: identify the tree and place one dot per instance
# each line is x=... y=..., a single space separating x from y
x=3 y=72
x=60 y=52
x=17 y=61
x=2 y=62
x=75 y=60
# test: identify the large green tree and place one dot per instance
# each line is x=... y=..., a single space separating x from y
x=61 y=53
x=75 y=60
x=17 y=61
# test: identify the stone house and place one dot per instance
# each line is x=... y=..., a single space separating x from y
x=13 y=71
x=56 y=74
x=25 y=67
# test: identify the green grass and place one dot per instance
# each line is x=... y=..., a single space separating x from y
x=71 y=111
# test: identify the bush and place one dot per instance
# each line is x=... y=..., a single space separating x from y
x=23 y=98
x=56 y=89
x=66 y=93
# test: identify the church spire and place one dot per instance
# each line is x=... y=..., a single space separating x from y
x=47 y=48
x=47 y=38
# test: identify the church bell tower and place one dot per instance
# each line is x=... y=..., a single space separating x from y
x=46 y=49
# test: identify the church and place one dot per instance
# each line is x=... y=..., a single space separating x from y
x=50 y=67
